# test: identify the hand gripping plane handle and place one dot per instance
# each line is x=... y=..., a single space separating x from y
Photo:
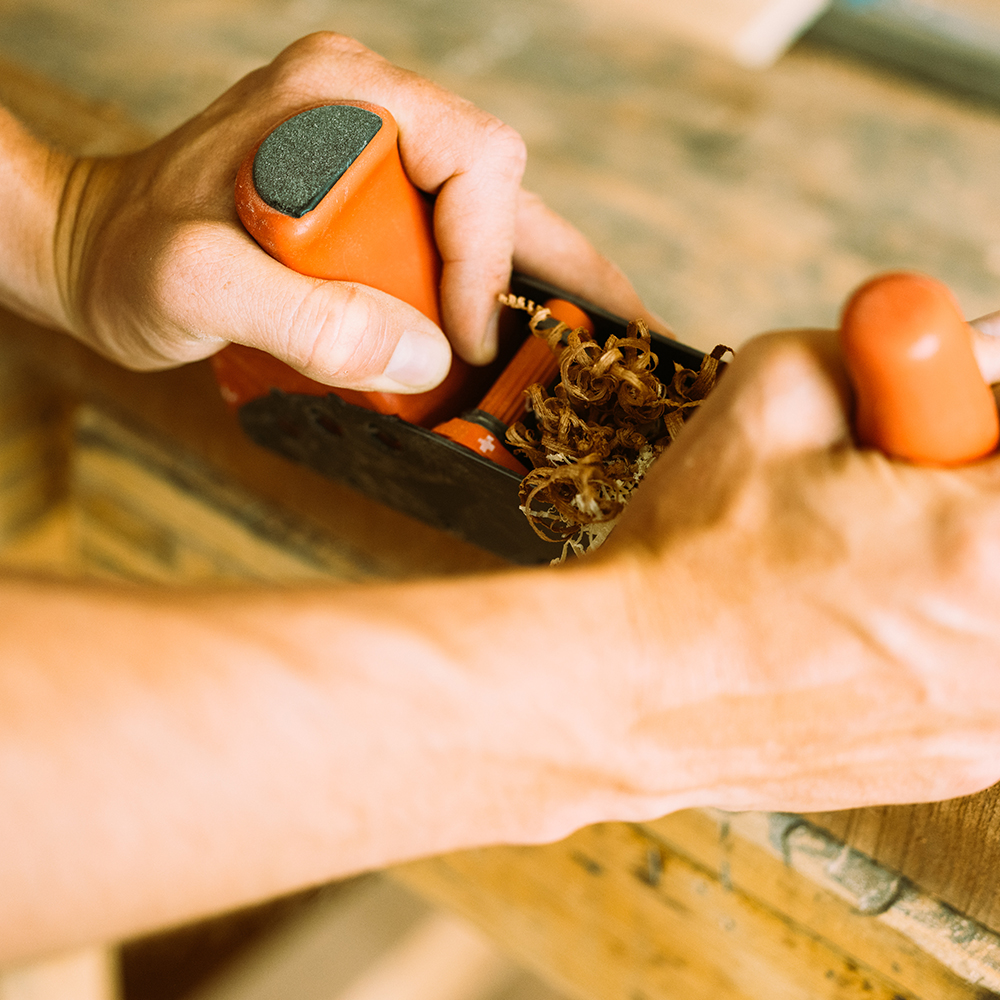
x=325 y=193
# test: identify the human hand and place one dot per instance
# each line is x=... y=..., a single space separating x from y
x=809 y=625
x=155 y=269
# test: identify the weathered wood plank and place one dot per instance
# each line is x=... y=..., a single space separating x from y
x=628 y=912
x=950 y=848
x=145 y=512
x=922 y=942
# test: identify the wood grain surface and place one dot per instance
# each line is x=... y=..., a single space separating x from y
x=705 y=908
x=951 y=849
x=737 y=202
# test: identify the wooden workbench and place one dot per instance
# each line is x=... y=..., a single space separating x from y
x=738 y=202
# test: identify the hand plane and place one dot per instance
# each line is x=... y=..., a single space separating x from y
x=325 y=193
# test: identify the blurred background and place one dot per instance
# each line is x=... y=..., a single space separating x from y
x=747 y=162
x=738 y=198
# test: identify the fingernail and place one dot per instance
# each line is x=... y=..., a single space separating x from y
x=419 y=361
x=491 y=336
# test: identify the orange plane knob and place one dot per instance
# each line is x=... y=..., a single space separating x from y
x=920 y=395
x=325 y=193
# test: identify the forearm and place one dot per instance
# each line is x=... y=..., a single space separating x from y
x=162 y=757
x=32 y=181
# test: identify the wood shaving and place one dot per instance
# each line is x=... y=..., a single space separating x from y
x=601 y=428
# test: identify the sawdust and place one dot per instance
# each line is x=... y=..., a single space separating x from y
x=601 y=428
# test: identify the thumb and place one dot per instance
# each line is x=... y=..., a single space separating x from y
x=338 y=333
x=784 y=397
x=785 y=393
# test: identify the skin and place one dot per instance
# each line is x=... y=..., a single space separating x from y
x=199 y=750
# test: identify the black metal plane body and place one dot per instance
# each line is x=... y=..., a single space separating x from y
x=414 y=470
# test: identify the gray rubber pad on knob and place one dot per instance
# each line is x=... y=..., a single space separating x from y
x=298 y=163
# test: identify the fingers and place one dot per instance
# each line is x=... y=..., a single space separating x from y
x=474 y=220
x=470 y=160
x=338 y=333
x=474 y=164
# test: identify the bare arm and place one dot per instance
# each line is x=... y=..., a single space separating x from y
x=781 y=622
x=164 y=755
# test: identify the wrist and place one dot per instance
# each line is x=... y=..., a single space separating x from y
x=497 y=709
x=552 y=682
x=33 y=182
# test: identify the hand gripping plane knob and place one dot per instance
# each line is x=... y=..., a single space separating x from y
x=325 y=194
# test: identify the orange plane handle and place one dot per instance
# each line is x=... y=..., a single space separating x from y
x=920 y=395
x=371 y=225
x=534 y=362
x=325 y=193
x=482 y=429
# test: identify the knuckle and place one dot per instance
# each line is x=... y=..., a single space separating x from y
x=505 y=146
x=775 y=356
x=340 y=341
x=785 y=396
x=529 y=202
x=323 y=44
x=774 y=364
x=490 y=150
x=299 y=68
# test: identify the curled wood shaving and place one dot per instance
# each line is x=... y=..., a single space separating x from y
x=601 y=428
